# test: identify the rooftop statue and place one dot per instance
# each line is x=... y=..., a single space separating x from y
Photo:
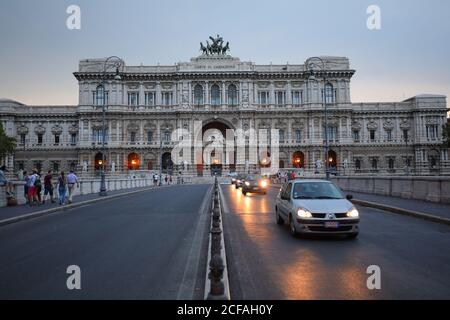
x=216 y=47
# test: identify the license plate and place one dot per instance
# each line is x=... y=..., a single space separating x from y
x=331 y=224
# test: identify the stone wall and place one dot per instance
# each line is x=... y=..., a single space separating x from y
x=435 y=189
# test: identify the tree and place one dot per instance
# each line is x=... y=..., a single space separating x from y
x=446 y=134
x=7 y=144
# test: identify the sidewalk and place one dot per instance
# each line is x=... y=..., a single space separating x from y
x=437 y=209
x=11 y=212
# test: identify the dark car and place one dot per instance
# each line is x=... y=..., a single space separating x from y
x=239 y=180
x=255 y=184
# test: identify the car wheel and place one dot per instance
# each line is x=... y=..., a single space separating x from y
x=280 y=220
x=352 y=235
x=236 y=186
x=292 y=229
x=244 y=192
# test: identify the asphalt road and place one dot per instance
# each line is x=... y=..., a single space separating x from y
x=265 y=262
x=147 y=246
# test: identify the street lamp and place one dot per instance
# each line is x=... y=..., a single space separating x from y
x=117 y=63
x=311 y=65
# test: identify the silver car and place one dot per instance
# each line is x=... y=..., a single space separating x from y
x=316 y=207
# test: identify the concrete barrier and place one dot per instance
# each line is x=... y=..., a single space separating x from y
x=434 y=189
x=87 y=186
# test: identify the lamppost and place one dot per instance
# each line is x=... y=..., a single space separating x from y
x=117 y=63
x=311 y=65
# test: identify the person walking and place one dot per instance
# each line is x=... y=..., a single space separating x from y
x=72 y=180
x=166 y=179
x=4 y=181
x=32 y=188
x=48 y=187
x=38 y=185
x=26 y=177
x=62 y=187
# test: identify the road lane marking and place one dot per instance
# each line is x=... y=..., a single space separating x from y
x=186 y=290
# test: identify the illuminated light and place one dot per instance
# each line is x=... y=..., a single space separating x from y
x=331 y=159
x=133 y=162
x=100 y=162
x=247 y=183
x=302 y=213
x=353 y=213
x=264 y=183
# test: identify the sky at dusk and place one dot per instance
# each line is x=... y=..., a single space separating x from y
x=408 y=56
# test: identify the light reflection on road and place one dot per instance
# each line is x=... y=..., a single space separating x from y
x=302 y=268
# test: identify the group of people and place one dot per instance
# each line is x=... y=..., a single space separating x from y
x=167 y=179
x=64 y=184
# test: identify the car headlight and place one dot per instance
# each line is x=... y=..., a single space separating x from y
x=247 y=183
x=353 y=213
x=264 y=183
x=303 y=213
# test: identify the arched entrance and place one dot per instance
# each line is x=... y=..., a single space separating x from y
x=98 y=161
x=214 y=144
x=332 y=160
x=264 y=160
x=167 y=163
x=133 y=161
x=298 y=159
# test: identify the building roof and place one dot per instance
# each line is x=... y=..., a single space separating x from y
x=4 y=102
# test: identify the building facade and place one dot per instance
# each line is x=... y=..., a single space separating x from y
x=146 y=103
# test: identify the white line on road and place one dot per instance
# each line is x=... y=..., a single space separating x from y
x=186 y=291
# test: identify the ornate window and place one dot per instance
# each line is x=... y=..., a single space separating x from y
x=389 y=135
x=215 y=95
x=100 y=96
x=372 y=135
x=298 y=135
x=133 y=98
x=432 y=131
x=281 y=136
x=232 y=95
x=167 y=98
x=355 y=135
x=73 y=139
x=296 y=98
x=358 y=164
x=150 y=136
x=40 y=138
x=263 y=98
x=329 y=93
x=391 y=163
x=57 y=139
x=97 y=135
x=167 y=137
x=374 y=164
x=150 y=99
x=132 y=136
x=405 y=135
x=198 y=95
x=331 y=133
x=23 y=138
x=280 y=98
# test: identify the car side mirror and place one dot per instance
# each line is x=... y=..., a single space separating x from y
x=349 y=197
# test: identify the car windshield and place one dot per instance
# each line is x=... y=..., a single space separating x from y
x=253 y=177
x=316 y=190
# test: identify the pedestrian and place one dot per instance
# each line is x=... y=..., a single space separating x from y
x=48 y=187
x=26 y=177
x=170 y=179
x=38 y=185
x=166 y=179
x=5 y=182
x=31 y=188
x=155 y=181
x=72 y=180
x=62 y=186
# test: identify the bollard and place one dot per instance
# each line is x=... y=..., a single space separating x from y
x=217 y=289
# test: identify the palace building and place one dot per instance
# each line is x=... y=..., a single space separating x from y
x=144 y=104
